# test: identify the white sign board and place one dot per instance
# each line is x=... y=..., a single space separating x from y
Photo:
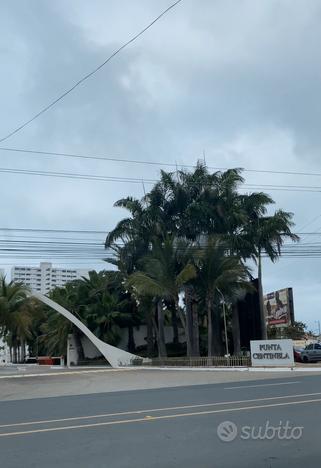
x=272 y=353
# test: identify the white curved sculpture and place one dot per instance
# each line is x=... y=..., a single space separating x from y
x=115 y=356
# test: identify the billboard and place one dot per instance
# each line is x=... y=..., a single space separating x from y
x=278 y=307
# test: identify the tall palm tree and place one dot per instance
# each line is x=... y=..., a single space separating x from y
x=218 y=273
x=15 y=315
x=194 y=205
x=263 y=234
x=163 y=275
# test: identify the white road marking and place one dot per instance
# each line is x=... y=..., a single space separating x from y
x=155 y=418
x=49 y=374
x=155 y=410
x=263 y=385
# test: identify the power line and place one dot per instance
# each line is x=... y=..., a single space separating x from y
x=88 y=231
x=86 y=77
x=94 y=157
x=102 y=178
x=94 y=251
x=94 y=246
x=87 y=263
x=152 y=163
x=71 y=175
x=65 y=231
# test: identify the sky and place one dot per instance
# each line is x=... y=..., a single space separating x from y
x=235 y=82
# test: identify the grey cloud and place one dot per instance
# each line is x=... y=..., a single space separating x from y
x=238 y=79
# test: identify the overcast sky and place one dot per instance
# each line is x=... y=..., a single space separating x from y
x=239 y=80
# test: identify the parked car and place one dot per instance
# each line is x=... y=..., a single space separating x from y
x=297 y=353
x=311 y=353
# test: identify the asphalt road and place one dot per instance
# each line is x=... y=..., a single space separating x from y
x=168 y=427
x=21 y=382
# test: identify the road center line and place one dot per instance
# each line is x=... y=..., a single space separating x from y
x=155 y=410
x=263 y=385
x=155 y=418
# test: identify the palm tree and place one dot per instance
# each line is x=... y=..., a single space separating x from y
x=195 y=205
x=263 y=234
x=58 y=327
x=15 y=315
x=163 y=276
x=218 y=273
x=99 y=301
x=53 y=334
x=108 y=306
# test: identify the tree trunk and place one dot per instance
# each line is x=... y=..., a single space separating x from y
x=184 y=323
x=23 y=350
x=161 y=330
x=189 y=321
x=195 y=330
x=175 y=326
x=209 y=328
x=15 y=354
x=236 y=329
x=131 y=340
x=150 y=335
x=262 y=314
x=80 y=349
x=217 y=342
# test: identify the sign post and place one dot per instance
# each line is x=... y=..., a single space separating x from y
x=272 y=353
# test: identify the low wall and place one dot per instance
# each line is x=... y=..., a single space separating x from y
x=213 y=361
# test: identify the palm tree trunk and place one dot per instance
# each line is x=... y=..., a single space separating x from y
x=261 y=301
x=157 y=336
x=195 y=330
x=175 y=326
x=160 y=331
x=131 y=340
x=185 y=326
x=80 y=349
x=236 y=329
x=23 y=350
x=217 y=342
x=209 y=328
x=150 y=335
x=15 y=356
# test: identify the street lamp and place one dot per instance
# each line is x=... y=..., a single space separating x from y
x=224 y=315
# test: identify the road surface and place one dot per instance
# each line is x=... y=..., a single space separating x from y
x=168 y=427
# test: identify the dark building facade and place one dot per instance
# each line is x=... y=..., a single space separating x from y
x=249 y=317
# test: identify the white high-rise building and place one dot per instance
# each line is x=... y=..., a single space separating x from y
x=44 y=278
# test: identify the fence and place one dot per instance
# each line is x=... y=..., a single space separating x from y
x=213 y=361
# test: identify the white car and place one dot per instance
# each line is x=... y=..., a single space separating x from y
x=311 y=353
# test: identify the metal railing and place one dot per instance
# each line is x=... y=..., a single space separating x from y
x=213 y=361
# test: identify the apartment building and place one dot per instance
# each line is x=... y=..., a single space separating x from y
x=45 y=277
